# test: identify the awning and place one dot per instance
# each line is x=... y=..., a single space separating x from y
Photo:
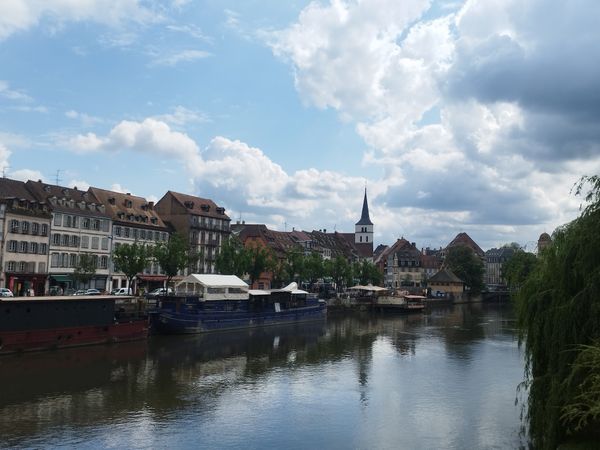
x=152 y=277
x=61 y=278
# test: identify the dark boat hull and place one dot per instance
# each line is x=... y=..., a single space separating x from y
x=169 y=322
x=53 y=338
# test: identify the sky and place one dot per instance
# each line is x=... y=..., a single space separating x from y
x=475 y=116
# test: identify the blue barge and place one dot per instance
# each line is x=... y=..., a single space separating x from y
x=204 y=303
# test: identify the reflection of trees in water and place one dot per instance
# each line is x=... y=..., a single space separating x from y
x=101 y=385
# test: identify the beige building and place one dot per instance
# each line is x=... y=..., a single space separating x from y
x=447 y=282
x=25 y=225
x=134 y=219
x=202 y=223
x=80 y=225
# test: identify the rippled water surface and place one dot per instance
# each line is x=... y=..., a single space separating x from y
x=446 y=379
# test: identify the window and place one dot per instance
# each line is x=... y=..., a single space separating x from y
x=73 y=260
x=135 y=233
x=104 y=262
x=23 y=247
x=68 y=221
x=85 y=223
x=361 y=239
x=44 y=229
x=367 y=238
x=35 y=228
x=104 y=243
x=142 y=234
x=33 y=247
x=11 y=266
x=65 y=240
x=56 y=239
x=64 y=260
x=85 y=241
x=12 y=246
x=24 y=227
x=95 y=242
x=22 y=266
x=14 y=226
x=96 y=224
x=117 y=231
x=58 y=219
x=74 y=241
x=41 y=267
x=127 y=232
x=104 y=224
x=54 y=259
x=43 y=249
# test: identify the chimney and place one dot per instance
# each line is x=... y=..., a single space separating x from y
x=151 y=205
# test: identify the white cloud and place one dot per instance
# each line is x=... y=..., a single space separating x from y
x=116 y=187
x=21 y=15
x=13 y=94
x=184 y=56
x=81 y=185
x=26 y=174
x=190 y=30
x=85 y=119
x=181 y=116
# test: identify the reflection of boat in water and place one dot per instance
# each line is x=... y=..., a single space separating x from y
x=39 y=323
x=205 y=303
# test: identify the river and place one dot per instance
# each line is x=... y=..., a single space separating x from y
x=442 y=380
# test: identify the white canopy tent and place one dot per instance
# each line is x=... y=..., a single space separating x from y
x=213 y=287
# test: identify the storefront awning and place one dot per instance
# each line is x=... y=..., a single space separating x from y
x=60 y=278
x=152 y=277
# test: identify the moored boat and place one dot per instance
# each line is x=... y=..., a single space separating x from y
x=400 y=302
x=207 y=302
x=40 y=323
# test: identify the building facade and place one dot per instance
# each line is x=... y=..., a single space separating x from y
x=80 y=226
x=363 y=232
x=202 y=223
x=134 y=219
x=25 y=225
x=401 y=264
x=494 y=259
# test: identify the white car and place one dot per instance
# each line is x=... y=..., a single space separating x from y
x=5 y=292
x=121 y=291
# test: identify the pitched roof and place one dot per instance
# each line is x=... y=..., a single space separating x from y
x=445 y=276
x=465 y=240
x=198 y=205
x=67 y=200
x=364 y=217
x=131 y=209
x=14 y=189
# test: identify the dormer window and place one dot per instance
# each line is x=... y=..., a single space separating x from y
x=221 y=210
x=205 y=207
x=189 y=204
x=128 y=204
x=112 y=200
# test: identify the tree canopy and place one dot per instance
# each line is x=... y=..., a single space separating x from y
x=467 y=266
x=174 y=255
x=85 y=268
x=516 y=270
x=131 y=259
x=558 y=309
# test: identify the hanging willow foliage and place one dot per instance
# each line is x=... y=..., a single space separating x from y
x=558 y=309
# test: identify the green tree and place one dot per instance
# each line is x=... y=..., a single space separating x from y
x=233 y=258
x=131 y=259
x=516 y=270
x=294 y=266
x=85 y=268
x=314 y=266
x=259 y=260
x=558 y=310
x=467 y=266
x=339 y=271
x=174 y=255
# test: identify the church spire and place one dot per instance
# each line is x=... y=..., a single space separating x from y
x=364 y=217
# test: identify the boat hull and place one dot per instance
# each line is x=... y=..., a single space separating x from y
x=54 y=338
x=168 y=322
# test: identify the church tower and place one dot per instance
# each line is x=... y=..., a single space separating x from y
x=363 y=231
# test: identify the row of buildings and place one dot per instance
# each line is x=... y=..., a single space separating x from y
x=46 y=228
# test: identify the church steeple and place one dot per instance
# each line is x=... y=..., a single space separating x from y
x=363 y=231
x=364 y=217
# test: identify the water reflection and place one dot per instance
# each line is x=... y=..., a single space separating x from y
x=445 y=379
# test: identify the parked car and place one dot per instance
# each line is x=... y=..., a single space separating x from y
x=80 y=292
x=121 y=291
x=5 y=292
x=158 y=292
x=92 y=292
